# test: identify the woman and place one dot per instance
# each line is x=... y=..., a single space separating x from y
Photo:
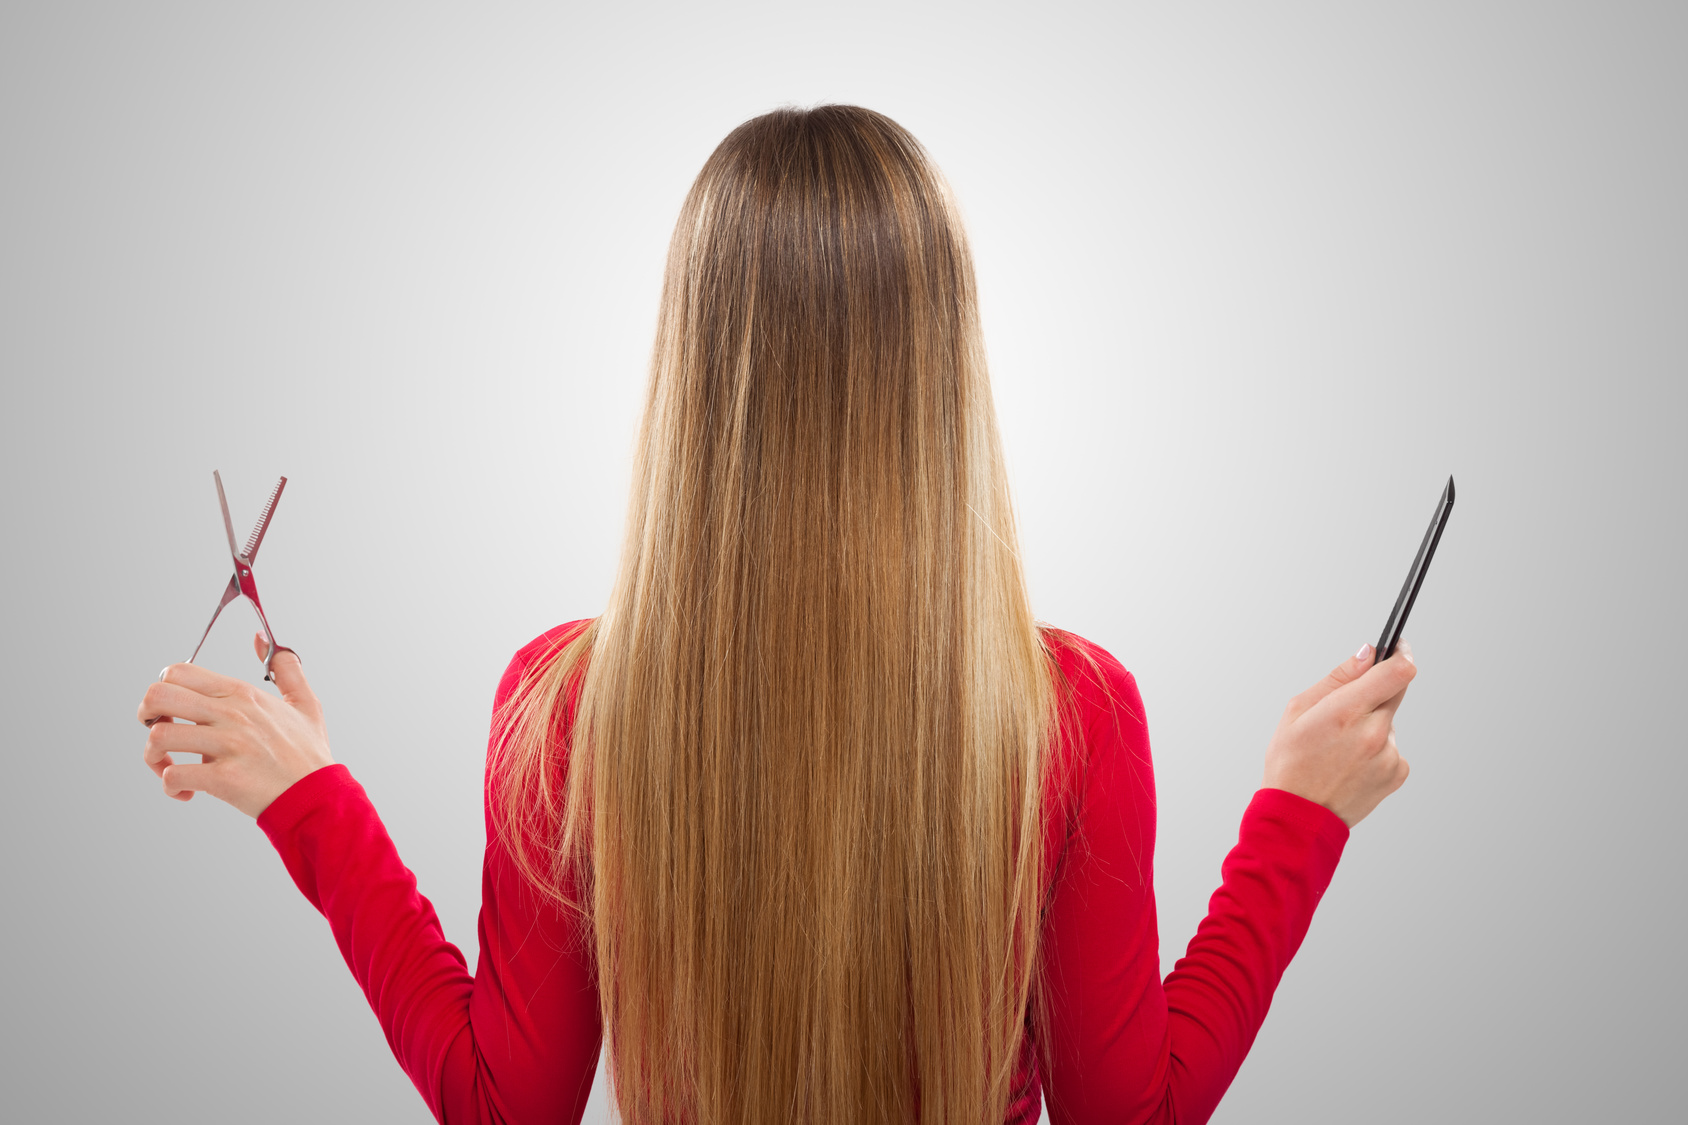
x=815 y=823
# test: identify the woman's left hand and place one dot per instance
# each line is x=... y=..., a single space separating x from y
x=253 y=745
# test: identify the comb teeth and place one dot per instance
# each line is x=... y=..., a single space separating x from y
x=263 y=523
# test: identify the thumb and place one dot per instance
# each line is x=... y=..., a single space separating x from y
x=1345 y=673
x=289 y=675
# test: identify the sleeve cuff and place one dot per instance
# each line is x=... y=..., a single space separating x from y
x=1302 y=834
x=1310 y=816
x=302 y=797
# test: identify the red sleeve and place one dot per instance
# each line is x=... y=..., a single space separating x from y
x=1126 y=1046
x=517 y=1041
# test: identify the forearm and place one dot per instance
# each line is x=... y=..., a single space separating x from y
x=417 y=983
x=1219 y=992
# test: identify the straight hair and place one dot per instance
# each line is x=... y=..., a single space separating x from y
x=792 y=778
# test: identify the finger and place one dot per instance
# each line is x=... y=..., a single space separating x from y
x=175 y=701
x=199 y=777
x=1345 y=673
x=159 y=761
x=290 y=680
x=156 y=757
x=189 y=738
x=202 y=680
x=1393 y=762
x=1379 y=684
x=1389 y=706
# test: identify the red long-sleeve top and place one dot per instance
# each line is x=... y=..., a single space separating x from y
x=518 y=1040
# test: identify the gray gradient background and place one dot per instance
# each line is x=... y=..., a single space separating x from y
x=1256 y=279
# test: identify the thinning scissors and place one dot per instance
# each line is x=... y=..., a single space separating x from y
x=242 y=583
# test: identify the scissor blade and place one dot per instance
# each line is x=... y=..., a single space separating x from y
x=256 y=539
x=230 y=593
x=228 y=525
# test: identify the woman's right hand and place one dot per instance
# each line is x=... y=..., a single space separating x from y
x=1336 y=742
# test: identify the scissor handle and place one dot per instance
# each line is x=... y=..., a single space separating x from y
x=269 y=672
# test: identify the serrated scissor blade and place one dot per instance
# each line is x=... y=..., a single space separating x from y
x=256 y=539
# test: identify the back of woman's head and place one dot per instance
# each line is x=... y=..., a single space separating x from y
x=803 y=773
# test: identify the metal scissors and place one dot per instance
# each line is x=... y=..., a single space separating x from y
x=242 y=582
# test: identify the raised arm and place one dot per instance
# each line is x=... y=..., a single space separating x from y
x=1128 y=1047
x=517 y=1041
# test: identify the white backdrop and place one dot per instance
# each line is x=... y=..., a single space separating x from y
x=1256 y=278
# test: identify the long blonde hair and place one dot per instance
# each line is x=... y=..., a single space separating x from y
x=805 y=741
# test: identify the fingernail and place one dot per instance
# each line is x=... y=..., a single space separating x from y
x=1363 y=654
x=1406 y=650
x=162 y=671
